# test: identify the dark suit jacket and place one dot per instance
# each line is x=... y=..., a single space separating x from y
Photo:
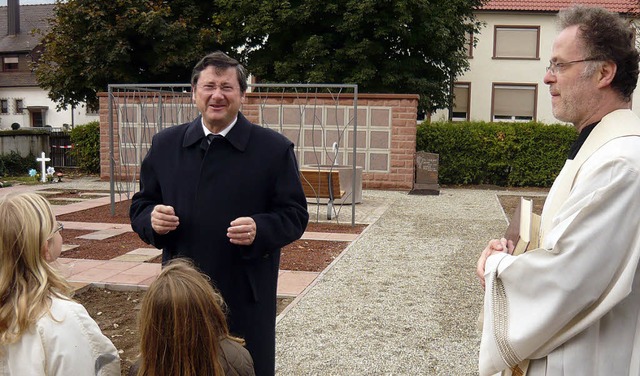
x=252 y=172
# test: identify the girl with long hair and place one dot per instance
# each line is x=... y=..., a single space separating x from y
x=183 y=328
x=42 y=331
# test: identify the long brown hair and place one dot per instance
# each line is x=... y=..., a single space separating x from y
x=181 y=322
x=27 y=282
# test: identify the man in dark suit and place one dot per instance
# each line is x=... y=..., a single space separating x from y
x=225 y=193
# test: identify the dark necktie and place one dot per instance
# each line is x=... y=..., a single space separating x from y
x=206 y=141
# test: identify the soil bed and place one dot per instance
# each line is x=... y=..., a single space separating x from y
x=116 y=311
x=52 y=193
x=102 y=214
x=105 y=249
x=303 y=255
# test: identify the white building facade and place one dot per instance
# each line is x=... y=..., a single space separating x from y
x=22 y=101
x=30 y=107
x=508 y=63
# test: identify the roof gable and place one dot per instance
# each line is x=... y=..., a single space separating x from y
x=31 y=17
x=619 y=6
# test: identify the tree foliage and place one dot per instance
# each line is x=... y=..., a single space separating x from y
x=391 y=46
x=95 y=43
x=397 y=46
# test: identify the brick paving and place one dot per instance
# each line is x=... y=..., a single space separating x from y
x=131 y=271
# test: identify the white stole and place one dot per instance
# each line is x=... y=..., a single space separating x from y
x=620 y=123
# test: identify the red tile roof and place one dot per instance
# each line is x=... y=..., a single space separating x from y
x=620 y=6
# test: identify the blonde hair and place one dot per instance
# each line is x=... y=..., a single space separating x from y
x=181 y=322
x=26 y=279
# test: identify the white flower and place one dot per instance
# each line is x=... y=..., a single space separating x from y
x=50 y=170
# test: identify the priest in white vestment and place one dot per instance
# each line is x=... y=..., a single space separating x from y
x=571 y=307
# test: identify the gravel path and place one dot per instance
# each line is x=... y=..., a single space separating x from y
x=403 y=299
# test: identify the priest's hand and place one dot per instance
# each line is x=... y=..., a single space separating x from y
x=494 y=246
x=243 y=231
x=164 y=219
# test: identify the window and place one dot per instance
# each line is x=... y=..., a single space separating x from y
x=37 y=118
x=10 y=64
x=91 y=112
x=514 y=102
x=461 y=92
x=19 y=106
x=4 y=106
x=516 y=42
x=468 y=43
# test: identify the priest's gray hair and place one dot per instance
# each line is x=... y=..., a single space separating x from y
x=606 y=36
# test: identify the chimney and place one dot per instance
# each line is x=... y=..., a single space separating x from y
x=13 y=17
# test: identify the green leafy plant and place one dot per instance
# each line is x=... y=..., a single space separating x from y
x=383 y=46
x=149 y=41
x=504 y=154
x=417 y=47
x=86 y=146
x=13 y=164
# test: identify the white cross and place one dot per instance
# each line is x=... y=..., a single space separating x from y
x=43 y=167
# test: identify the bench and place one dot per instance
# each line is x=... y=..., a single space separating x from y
x=322 y=183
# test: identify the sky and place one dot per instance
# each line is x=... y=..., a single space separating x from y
x=4 y=2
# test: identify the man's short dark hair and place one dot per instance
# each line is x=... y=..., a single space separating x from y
x=607 y=36
x=220 y=61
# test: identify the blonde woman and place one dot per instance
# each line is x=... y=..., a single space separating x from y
x=183 y=328
x=42 y=331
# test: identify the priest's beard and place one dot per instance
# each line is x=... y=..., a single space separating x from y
x=577 y=102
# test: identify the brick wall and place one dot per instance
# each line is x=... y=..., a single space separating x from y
x=385 y=143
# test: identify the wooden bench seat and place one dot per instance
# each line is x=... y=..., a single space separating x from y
x=322 y=183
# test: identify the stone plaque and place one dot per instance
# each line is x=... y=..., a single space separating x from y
x=426 y=181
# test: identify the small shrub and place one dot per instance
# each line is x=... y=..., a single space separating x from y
x=15 y=126
x=86 y=146
x=505 y=154
x=13 y=164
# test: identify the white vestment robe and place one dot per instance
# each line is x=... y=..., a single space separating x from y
x=572 y=306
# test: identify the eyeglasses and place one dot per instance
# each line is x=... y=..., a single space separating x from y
x=554 y=67
x=209 y=89
x=60 y=227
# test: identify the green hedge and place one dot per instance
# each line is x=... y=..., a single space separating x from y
x=13 y=164
x=504 y=154
x=86 y=146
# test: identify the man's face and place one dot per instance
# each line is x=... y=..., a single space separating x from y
x=218 y=97
x=574 y=94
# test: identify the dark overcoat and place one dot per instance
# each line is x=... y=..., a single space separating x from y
x=251 y=172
